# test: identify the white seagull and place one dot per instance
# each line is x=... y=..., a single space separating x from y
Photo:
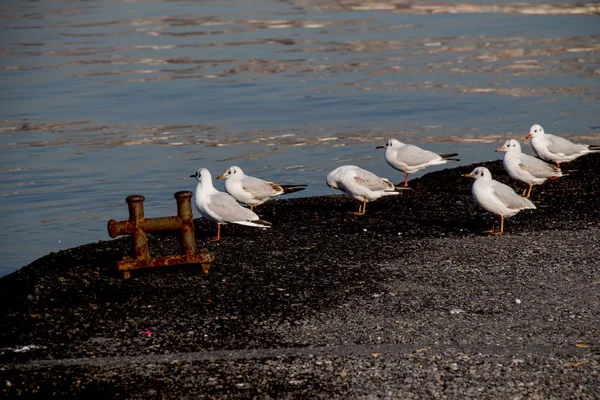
x=221 y=207
x=556 y=149
x=496 y=197
x=361 y=184
x=253 y=191
x=409 y=159
x=525 y=168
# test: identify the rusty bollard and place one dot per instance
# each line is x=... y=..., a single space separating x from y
x=137 y=226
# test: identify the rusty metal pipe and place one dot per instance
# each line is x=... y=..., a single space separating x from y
x=137 y=226
x=204 y=257
x=186 y=215
x=152 y=225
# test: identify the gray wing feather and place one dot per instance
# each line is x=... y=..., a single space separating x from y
x=558 y=145
x=508 y=196
x=228 y=209
x=257 y=187
x=537 y=167
x=413 y=155
x=372 y=181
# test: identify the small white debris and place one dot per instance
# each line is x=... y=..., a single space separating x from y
x=25 y=348
x=456 y=311
x=518 y=301
x=364 y=229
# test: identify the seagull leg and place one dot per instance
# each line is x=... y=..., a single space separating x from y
x=406 y=179
x=558 y=164
x=529 y=192
x=218 y=237
x=501 y=231
x=524 y=191
x=492 y=230
x=362 y=209
x=501 y=225
x=251 y=207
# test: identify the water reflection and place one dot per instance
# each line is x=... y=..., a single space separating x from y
x=102 y=99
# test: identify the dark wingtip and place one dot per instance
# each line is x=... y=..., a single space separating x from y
x=449 y=155
x=292 y=188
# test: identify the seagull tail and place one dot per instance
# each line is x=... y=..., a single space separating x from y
x=594 y=147
x=398 y=188
x=450 y=157
x=292 y=188
x=528 y=204
x=258 y=223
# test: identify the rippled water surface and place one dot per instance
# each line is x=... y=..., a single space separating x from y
x=100 y=100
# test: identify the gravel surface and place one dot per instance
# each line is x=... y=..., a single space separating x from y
x=411 y=300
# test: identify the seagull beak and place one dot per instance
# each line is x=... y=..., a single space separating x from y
x=528 y=136
x=501 y=149
x=221 y=177
x=193 y=176
x=468 y=175
x=380 y=147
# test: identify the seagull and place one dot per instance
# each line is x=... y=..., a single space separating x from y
x=496 y=197
x=525 y=168
x=361 y=184
x=556 y=149
x=221 y=207
x=253 y=191
x=409 y=159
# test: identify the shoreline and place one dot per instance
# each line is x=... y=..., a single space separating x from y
x=410 y=300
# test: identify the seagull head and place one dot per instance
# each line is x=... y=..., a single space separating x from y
x=332 y=177
x=480 y=173
x=201 y=175
x=232 y=171
x=535 y=131
x=510 y=145
x=391 y=143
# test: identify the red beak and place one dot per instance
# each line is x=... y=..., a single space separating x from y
x=528 y=136
x=380 y=147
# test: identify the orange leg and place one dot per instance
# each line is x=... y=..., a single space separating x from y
x=251 y=207
x=558 y=164
x=362 y=209
x=493 y=231
x=218 y=237
x=528 y=192
x=406 y=179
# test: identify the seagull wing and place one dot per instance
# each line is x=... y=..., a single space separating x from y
x=508 y=196
x=413 y=155
x=537 y=167
x=227 y=209
x=372 y=181
x=258 y=188
x=561 y=146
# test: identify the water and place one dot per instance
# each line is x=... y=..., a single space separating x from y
x=100 y=100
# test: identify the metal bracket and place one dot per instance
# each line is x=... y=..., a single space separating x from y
x=137 y=227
